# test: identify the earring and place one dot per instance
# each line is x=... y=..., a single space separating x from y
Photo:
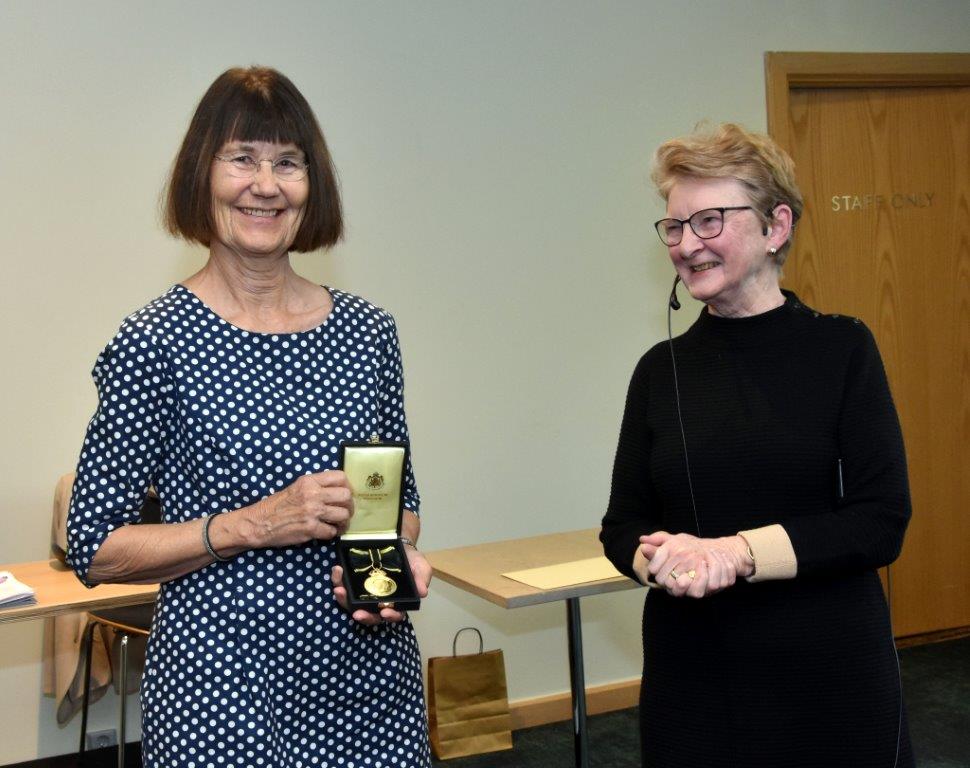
x=773 y=251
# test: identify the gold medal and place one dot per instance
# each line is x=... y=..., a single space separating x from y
x=379 y=583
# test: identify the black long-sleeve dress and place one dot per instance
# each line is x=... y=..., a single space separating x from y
x=796 y=672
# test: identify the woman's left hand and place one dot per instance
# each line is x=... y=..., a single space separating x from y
x=687 y=565
x=420 y=569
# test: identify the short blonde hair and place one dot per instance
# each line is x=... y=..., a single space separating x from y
x=727 y=150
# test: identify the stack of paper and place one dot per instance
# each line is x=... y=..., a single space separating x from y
x=13 y=592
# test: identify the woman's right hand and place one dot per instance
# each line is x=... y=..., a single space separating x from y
x=317 y=506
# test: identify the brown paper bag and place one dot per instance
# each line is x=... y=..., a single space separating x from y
x=468 y=702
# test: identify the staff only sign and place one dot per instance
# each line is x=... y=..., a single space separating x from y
x=868 y=201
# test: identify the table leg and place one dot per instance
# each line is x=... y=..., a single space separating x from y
x=577 y=682
x=88 y=653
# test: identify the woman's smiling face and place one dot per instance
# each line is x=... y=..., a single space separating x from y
x=732 y=272
x=259 y=215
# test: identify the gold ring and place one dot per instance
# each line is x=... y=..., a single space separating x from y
x=674 y=575
x=692 y=573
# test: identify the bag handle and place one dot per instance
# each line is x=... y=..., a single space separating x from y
x=454 y=643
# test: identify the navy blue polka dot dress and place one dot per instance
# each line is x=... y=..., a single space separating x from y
x=251 y=662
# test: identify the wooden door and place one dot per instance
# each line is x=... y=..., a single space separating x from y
x=882 y=149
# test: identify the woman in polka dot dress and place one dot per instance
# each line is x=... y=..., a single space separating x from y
x=231 y=394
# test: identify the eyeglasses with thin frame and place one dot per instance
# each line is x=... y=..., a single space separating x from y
x=706 y=224
x=244 y=166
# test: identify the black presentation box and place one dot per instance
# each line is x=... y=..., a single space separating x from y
x=376 y=569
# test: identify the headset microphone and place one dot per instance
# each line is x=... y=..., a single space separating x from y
x=674 y=303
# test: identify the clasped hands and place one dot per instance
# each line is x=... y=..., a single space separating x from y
x=688 y=565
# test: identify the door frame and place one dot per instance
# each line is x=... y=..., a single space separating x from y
x=806 y=69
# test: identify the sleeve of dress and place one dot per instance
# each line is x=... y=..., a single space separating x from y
x=865 y=530
x=394 y=425
x=632 y=510
x=123 y=445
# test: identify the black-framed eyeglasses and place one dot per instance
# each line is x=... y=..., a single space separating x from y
x=706 y=224
x=245 y=166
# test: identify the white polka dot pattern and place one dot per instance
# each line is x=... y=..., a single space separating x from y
x=251 y=662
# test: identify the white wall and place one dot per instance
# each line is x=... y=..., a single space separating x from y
x=493 y=157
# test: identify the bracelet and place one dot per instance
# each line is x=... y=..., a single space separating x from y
x=406 y=540
x=748 y=551
x=205 y=538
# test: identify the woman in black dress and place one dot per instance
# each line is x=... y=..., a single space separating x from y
x=759 y=481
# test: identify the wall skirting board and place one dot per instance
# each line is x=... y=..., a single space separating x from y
x=527 y=713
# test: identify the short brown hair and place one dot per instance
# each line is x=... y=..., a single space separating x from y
x=727 y=150
x=254 y=104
